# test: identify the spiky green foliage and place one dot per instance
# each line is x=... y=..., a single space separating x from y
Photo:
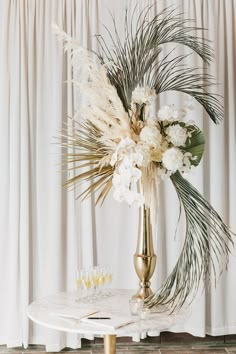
x=136 y=61
x=207 y=244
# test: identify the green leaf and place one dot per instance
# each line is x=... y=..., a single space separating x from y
x=195 y=145
x=136 y=61
x=206 y=248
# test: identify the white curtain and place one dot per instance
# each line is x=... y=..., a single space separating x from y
x=45 y=235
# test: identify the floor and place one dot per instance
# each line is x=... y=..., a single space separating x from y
x=167 y=343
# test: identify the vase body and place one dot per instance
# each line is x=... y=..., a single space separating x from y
x=144 y=258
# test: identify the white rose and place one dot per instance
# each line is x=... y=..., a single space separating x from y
x=173 y=159
x=151 y=136
x=165 y=113
x=143 y=95
x=177 y=135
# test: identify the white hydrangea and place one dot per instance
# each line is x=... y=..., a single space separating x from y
x=177 y=135
x=151 y=136
x=173 y=159
x=143 y=95
x=165 y=113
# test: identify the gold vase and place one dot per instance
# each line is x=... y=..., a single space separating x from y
x=144 y=258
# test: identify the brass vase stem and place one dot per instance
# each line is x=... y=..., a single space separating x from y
x=144 y=258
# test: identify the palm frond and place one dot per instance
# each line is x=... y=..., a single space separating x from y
x=207 y=244
x=195 y=145
x=83 y=155
x=172 y=75
x=136 y=61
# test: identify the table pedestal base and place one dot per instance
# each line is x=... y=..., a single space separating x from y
x=109 y=344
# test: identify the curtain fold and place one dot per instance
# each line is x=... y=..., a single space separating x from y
x=45 y=235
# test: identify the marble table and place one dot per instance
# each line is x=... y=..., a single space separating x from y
x=42 y=311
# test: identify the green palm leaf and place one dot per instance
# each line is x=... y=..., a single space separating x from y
x=207 y=246
x=136 y=61
x=195 y=145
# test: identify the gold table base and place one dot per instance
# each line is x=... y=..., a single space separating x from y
x=109 y=344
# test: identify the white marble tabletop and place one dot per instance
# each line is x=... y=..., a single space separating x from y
x=42 y=311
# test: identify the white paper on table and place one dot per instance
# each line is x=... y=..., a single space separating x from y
x=74 y=313
x=114 y=321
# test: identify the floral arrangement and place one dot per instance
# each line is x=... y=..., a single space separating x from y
x=158 y=146
x=114 y=141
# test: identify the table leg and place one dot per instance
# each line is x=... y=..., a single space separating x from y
x=109 y=344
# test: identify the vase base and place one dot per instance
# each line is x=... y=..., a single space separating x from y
x=143 y=293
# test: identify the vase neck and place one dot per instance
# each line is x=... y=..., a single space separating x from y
x=145 y=243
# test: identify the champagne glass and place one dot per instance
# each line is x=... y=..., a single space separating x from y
x=109 y=278
x=95 y=279
x=79 y=282
x=88 y=282
x=102 y=280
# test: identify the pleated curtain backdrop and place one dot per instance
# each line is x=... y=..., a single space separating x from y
x=45 y=235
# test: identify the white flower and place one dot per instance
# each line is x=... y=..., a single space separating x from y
x=122 y=193
x=146 y=156
x=135 y=174
x=122 y=148
x=143 y=95
x=173 y=159
x=151 y=121
x=177 y=135
x=179 y=114
x=151 y=136
x=126 y=163
x=126 y=143
x=137 y=157
x=126 y=158
x=116 y=180
x=123 y=179
x=163 y=173
x=165 y=113
x=187 y=165
x=119 y=194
